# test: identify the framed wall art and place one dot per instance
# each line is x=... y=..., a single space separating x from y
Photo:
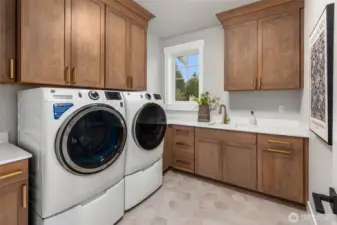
x=321 y=75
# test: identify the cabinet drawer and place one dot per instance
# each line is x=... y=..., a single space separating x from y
x=13 y=172
x=280 y=142
x=183 y=161
x=183 y=130
x=183 y=144
x=234 y=138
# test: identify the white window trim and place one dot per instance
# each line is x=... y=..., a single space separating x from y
x=195 y=47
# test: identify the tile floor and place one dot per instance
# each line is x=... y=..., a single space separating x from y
x=186 y=200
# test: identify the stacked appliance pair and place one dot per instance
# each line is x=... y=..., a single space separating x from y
x=79 y=140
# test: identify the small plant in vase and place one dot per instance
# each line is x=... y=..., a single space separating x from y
x=206 y=104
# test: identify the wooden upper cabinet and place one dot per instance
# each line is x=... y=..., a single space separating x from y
x=116 y=50
x=239 y=167
x=87 y=43
x=41 y=42
x=13 y=204
x=263 y=49
x=208 y=157
x=279 y=41
x=241 y=57
x=281 y=173
x=138 y=56
x=7 y=40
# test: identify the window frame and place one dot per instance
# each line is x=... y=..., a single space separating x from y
x=195 y=47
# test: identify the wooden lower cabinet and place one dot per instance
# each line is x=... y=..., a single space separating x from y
x=208 y=157
x=239 y=167
x=270 y=164
x=13 y=204
x=281 y=173
x=14 y=193
x=167 y=156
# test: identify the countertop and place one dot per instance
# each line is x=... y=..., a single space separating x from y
x=275 y=127
x=10 y=153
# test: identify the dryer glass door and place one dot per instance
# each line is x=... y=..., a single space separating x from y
x=91 y=140
x=149 y=126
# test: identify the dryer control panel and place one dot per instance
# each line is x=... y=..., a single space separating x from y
x=93 y=95
x=110 y=95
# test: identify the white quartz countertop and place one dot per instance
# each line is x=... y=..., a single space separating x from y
x=271 y=127
x=10 y=153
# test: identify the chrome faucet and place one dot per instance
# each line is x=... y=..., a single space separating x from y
x=226 y=118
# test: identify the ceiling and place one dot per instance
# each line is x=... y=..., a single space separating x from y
x=175 y=17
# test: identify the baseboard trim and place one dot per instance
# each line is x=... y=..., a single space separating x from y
x=311 y=213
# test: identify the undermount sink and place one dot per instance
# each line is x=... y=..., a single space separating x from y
x=238 y=125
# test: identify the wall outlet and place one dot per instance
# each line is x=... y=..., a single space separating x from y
x=281 y=109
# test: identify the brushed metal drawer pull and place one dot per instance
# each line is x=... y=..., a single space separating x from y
x=183 y=162
x=279 y=151
x=11 y=175
x=279 y=142
x=24 y=196
x=11 y=69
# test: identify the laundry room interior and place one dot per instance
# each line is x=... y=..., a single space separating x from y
x=168 y=112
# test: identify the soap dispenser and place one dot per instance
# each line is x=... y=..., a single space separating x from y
x=252 y=119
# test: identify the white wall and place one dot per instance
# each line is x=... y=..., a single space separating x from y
x=155 y=57
x=320 y=154
x=264 y=103
x=8 y=110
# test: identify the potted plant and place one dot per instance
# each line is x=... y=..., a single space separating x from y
x=206 y=103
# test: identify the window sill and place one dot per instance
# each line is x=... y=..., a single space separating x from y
x=187 y=107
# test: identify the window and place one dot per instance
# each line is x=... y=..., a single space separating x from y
x=184 y=75
x=187 y=77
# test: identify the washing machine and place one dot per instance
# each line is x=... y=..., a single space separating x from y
x=78 y=140
x=146 y=122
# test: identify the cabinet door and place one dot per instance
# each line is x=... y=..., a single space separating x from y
x=208 y=158
x=239 y=166
x=168 y=144
x=138 y=39
x=241 y=57
x=279 y=51
x=42 y=42
x=87 y=43
x=7 y=40
x=116 y=50
x=281 y=173
x=14 y=204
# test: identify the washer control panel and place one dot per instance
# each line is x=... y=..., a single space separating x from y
x=148 y=96
x=93 y=95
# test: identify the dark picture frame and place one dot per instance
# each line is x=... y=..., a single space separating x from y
x=321 y=75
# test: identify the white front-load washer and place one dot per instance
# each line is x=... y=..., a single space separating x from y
x=78 y=140
x=146 y=122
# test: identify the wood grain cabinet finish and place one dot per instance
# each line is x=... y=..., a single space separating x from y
x=116 y=49
x=281 y=167
x=14 y=193
x=87 y=43
x=41 y=42
x=138 y=59
x=208 y=157
x=167 y=156
x=82 y=43
x=239 y=167
x=241 y=57
x=279 y=42
x=7 y=40
x=264 y=46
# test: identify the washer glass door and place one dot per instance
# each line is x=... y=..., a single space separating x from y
x=91 y=140
x=149 y=126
